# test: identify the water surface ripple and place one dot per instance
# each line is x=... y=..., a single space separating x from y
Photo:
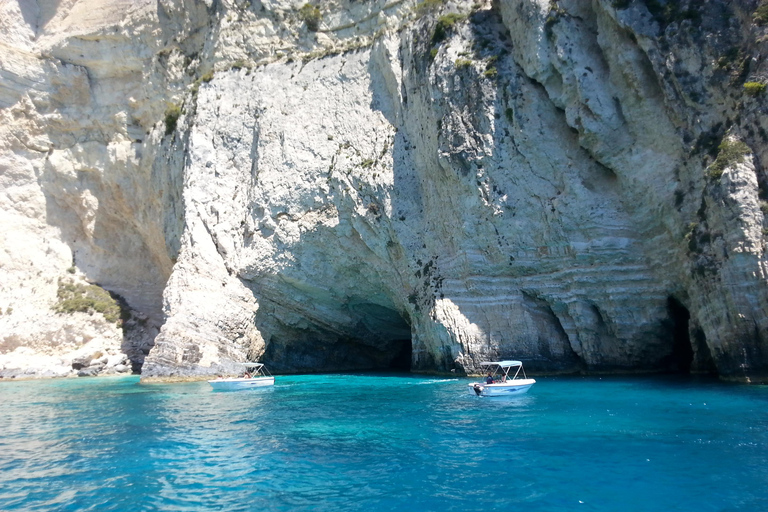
x=383 y=442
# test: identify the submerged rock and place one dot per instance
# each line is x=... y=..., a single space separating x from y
x=575 y=184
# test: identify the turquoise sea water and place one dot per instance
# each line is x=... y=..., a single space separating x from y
x=384 y=442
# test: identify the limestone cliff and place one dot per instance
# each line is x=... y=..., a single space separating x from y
x=373 y=184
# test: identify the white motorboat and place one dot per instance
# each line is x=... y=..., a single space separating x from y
x=255 y=375
x=499 y=383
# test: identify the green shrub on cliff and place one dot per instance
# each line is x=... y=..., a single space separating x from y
x=754 y=88
x=444 y=25
x=171 y=117
x=429 y=6
x=760 y=16
x=462 y=63
x=310 y=14
x=730 y=153
x=77 y=297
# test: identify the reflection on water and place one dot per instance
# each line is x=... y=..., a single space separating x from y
x=383 y=442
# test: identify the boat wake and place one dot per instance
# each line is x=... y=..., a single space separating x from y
x=436 y=381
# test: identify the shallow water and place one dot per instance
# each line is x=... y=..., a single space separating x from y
x=383 y=442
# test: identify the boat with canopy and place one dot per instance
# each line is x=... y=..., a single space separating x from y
x=254 y=375
x=500 y=383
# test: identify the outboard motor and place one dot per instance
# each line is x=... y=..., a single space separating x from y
x=478 y=389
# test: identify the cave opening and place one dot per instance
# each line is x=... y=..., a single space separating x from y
x=682 y=349
x=387 y=336
x=401 y=361
x=374 y=337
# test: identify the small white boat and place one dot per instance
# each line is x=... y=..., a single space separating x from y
x=500 y=383
x=255 y=375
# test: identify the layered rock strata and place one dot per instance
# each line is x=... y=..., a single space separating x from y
x=382 y=184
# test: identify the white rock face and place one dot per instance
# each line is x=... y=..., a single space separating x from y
x=79 y=195
x=538 y=181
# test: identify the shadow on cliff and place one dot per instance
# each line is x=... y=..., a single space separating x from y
x=352 y=333
x=38 y=14
x=102 y=254
x=548 y=323
x=332 y=307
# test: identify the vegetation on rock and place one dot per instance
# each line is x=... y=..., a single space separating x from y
x=463 y=63
x=310 y=14
x=444 y=25
x=78 y=297
x=730 y=153
x=754 y=88
x=760 y=16
x=429 y=5
x=171 y=117
x=490 y=67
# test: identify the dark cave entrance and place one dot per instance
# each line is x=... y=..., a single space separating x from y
x=401 y=361
x=386 y=336
x=378 y=341
x=681 y=358
x=375 y=338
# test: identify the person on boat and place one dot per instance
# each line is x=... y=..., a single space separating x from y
x=489 y=378
x=246 y=375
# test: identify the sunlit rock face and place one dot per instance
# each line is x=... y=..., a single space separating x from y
x=578 y=185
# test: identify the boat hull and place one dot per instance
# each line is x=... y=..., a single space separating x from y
x=238 y=384
x=501 y=389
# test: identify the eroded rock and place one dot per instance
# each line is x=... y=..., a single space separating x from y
x=544 y=181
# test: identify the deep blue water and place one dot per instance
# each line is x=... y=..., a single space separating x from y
x=384 y=442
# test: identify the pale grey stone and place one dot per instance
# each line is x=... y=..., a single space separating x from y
x=326 y=198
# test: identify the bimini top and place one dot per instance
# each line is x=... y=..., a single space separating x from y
x=503 y=364
x=252 y=365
